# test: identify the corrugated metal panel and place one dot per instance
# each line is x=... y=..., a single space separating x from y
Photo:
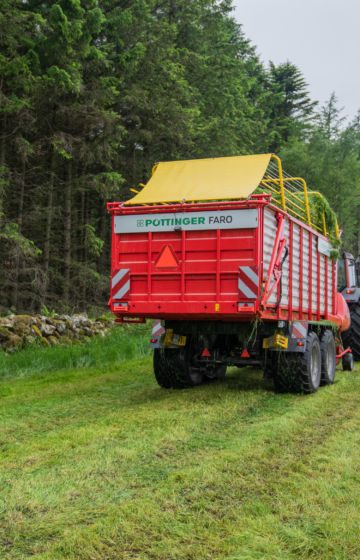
x=309 y=263
x=322 y=283
x=306 y=268
x=296 y=266
x=270 y=228
x=314 y=304
x=285 y=270
x=330 y=288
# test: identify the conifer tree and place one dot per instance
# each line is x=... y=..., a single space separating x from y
x=291 y=109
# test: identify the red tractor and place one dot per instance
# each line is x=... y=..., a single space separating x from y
x=349 y=285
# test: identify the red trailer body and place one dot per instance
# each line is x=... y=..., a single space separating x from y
x=249 y=280
x=226 y=261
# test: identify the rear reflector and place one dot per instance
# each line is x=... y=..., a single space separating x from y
x=246 y=307
x=121 y=306
x=167 y=258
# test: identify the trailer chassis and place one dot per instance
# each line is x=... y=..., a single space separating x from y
x=299 y=355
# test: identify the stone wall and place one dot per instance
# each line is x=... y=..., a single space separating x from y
x=18 y=331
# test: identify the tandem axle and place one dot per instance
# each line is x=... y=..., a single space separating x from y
x=299 y=356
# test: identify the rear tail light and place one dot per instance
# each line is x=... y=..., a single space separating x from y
x=121 y=306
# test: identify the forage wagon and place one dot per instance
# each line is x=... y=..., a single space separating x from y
x=236 y=262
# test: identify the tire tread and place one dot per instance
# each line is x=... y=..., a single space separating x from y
x=351 y=337
x=292 y=374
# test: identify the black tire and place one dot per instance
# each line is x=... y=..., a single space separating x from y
x=351 y=337
x=173 y=369
x=300 y=372
x=347 y=362
x=163 y=374
x=328 y=358
x=285 y=374
x=221 y=371
x=271 y=365
x=216 y=373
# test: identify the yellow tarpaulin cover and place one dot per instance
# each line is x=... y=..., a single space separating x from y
x=223 y=178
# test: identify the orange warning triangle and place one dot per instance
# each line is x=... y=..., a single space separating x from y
x=166 y=259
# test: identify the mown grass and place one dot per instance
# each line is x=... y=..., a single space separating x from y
x=97 y=462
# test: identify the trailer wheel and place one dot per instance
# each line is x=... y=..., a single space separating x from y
x=351 y=337
x=162 y=372
x=271 y=365
x=221 y=371
x=173 y=369
x=285 y=375
x=347 y=362
x=297 y=372
x=216 y=373
x=328 y=358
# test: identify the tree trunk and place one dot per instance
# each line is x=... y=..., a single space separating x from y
x=85 y=254
x=2 y=168
x=67 y=235
x=15 y=296
x=104 y=234
x=48 y=225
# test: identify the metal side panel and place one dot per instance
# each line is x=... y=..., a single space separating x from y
x=296 y=266
x=306 y=269
x=270 y=228
x=313 y=264
x=322 y=284
x=330 y=266
x=285 y=270
x=314 y=290
x=307 y=263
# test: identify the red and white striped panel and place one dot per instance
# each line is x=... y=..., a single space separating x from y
x=157 y=329
x=248 y=282
x=120 y=284
x=299 y=329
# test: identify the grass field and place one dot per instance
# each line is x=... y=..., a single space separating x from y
x=98 y=462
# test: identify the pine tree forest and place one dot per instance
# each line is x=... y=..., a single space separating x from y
x=94 y=92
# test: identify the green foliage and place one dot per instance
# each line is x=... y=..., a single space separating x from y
x=330 y=162
x=290 y=108
x=320 y=209
x=12 y=235
x=93 y=93
x=93 y=243
x=107 y=184
x=47 y=312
